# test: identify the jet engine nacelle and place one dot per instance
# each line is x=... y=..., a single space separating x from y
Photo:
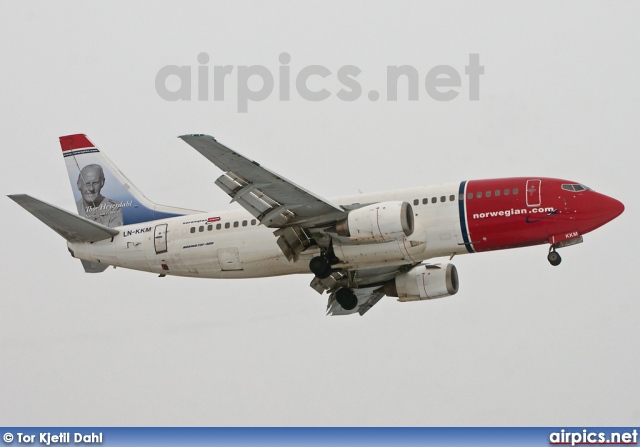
x=384 y=221
x=424 y=282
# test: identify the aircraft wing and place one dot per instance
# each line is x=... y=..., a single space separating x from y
x=275 y=201
x=70 y=226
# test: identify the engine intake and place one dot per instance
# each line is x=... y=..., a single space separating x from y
x=379 y=222
x=424 y=282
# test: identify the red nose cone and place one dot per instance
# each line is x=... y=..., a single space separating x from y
x=611 y=208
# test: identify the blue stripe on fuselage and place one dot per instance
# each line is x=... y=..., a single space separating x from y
x=463 y=224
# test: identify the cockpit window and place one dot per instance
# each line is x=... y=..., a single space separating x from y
x=575 y=187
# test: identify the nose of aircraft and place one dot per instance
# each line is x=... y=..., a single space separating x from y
x=611 y=208
x=595 y=209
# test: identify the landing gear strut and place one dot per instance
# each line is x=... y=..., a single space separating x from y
x=554 y=257
x=346 y=298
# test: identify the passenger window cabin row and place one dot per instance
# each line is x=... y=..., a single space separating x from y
x=470 y=196
x=496 y=193
x=425 y=201
x=236 y=224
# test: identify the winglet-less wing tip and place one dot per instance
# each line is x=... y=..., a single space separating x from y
x=194 y=135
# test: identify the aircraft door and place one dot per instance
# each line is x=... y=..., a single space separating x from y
x=533 y=192
x=160 y=238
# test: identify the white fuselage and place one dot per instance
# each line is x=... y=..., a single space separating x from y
x=232 y=244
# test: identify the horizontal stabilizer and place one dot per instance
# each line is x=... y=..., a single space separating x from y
x=70 y=226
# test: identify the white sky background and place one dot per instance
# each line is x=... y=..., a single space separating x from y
x=522 y=343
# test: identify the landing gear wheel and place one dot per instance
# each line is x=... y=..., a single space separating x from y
x=320 y=267
x=346 y=298
x=554 y=258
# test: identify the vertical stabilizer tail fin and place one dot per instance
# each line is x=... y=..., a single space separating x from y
x=102 y=192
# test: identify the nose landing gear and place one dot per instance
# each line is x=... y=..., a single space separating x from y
x=554 y=257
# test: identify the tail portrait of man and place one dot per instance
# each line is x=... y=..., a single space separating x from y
x=92 y=204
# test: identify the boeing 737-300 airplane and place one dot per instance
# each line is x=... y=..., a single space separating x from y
x=359 y=248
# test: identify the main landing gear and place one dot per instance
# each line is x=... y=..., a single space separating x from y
x=554 y=257
x=346 y=298
x=320 y=267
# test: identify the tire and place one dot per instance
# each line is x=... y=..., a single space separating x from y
x=346 y=298
x=320 y=267
x=554 y=258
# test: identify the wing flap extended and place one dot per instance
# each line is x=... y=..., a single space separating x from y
x=275 y=201
x=70 y=226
